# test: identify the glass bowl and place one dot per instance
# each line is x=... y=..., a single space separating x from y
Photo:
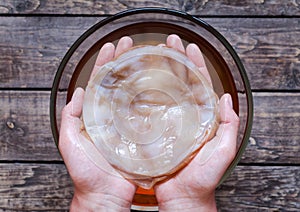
x=151 y=26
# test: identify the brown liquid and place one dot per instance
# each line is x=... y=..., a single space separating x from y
x=144 y=197
x=154 y=33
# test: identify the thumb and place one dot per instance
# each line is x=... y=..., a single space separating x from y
x=223 y=146
x=227 y=132
x=74 y=107
x=70 y=120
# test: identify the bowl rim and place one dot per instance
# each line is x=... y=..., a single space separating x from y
x=172 y=12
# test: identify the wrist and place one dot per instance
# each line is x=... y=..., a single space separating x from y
x=98 y=202
x=189 y=204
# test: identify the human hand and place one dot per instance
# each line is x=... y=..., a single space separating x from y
x=193 y=187
x=94 y=188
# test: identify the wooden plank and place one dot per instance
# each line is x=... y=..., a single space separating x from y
x=208 y=7
x=47 y=187
x=25 y=127
x=32 y=48
x=26 y=134
x=261 y=188
x=34 y=187
x=275 y=133
x=269 y=49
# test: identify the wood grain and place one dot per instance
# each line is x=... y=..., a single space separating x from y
x=47 y=187
x=261 y=188
x=36 y=34
x=26 y=134
x=34 y=187
x=275 y=133
x=32 y=48
x=269 y=49
x=25 y=127
x=200 y=7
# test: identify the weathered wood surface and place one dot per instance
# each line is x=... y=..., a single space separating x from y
x=25 y=127
x=34 y=187
x=261 y=188
x=275 y=133
x=200 y=7
x=26 y=134
x=47 y=187
x=32 y=48
x=36 y=34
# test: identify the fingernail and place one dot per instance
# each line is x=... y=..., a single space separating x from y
x=229 y=101
x=76 y=94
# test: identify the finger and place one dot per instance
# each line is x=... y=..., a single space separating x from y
x=195 y=55
x=73 y=145
x=227 y=131
x=229 y=123
x=227 y=114
x=74 y=107
x=221 y=150
x=105 y=55
x=175 y=42
x=70 y=122
x=124 y=44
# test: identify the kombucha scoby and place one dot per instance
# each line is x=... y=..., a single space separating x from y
x=148 y=112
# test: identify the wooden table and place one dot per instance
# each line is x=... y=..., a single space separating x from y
x=35 y=35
